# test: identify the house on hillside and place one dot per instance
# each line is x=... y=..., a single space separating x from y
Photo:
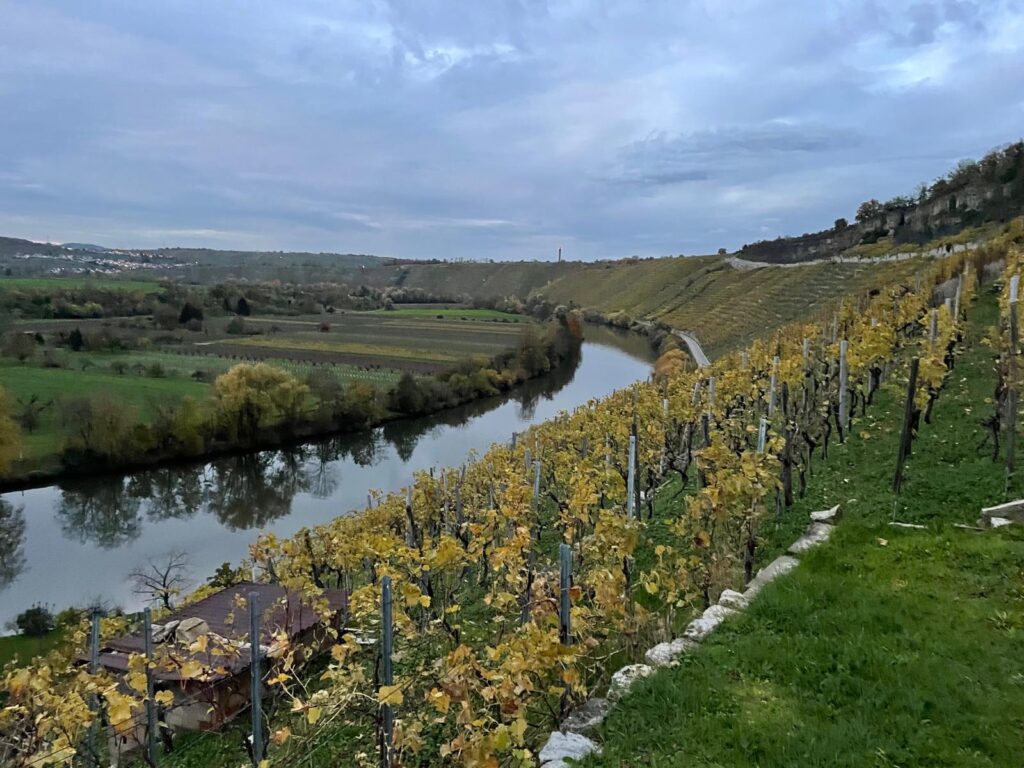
x=209 y=679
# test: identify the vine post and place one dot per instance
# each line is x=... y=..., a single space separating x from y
x=844 y=398
x=631 y=479
x=255 y=679
x=908 y=421
x=564 y=585
x=1011 y=393
x=387 y=628
x=147 y=625
x=94 y=666
x=772 y=384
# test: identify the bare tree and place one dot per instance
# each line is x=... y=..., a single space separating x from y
x=162 y=580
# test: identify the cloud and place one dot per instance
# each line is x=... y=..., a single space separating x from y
x=489 y=130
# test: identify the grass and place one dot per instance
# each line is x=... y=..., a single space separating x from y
x=887 y=647
x=23 y=381
x=64 y=283
x=25 y=648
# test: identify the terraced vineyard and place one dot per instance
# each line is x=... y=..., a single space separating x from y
x=724 y=306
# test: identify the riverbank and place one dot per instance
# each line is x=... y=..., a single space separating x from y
x=889 y=646
x=271 y=410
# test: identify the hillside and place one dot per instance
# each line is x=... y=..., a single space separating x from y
x=723 y=305
x=971 y=195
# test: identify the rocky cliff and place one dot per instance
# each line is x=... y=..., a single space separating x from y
x=975 y=193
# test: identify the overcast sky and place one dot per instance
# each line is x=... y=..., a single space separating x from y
x=488 y=128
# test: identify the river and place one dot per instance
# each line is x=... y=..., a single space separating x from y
x=74 y=543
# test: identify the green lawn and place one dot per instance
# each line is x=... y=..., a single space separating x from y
x=887 y=647
x=27 y=647
x=61 y=283
x=22 y=381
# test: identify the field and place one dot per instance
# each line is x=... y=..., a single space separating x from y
x=413 y=340
x=60 y=283
x=453 y=313
x=52 y=384
x=887 y=647
x=367 y=347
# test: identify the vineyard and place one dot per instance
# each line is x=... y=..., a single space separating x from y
x=725 y=307
x=515 y=585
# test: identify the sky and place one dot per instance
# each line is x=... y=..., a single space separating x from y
x=488 y=129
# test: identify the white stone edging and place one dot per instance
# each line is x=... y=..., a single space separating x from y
x=570 y=742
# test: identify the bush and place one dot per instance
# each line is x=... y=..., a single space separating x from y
x=35 y=622
x=156 y=371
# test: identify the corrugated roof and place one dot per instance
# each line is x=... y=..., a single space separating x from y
x=280 y=610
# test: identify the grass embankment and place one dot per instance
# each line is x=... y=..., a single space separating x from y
x=887 y=647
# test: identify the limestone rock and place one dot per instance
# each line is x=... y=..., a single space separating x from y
x=999 y=522
x=816 y=535
x=774 y=569
x=830 y=516
x=730 y=598
x=624 y=679
x=698 y=629
x=587 y=716
x=562 y=745
x=664 y=654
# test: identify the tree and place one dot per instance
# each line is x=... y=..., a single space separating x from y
x=101 y=426
x=28 y=412
x=75 y=340
x=249 y=396
x=406 y=396
x=19 y=345
x=722 y=252
x=190 y=312
x=242 y=307
x=35 y=622
x=225 y=576
x=869 y=210
x=162 y=581
x=10 y=436
x=165 y=317
x=840 y=224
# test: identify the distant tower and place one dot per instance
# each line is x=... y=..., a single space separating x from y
x=559 y=254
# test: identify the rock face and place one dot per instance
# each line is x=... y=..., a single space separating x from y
x=566 y=745
x=586 y=717
x=769 y=573
x=624 y=679
x=816 y=535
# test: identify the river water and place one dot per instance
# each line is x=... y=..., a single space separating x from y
x=75 y=543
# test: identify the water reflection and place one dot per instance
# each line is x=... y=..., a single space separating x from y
x=12 y=542
x=80 y=539
x=103 y=511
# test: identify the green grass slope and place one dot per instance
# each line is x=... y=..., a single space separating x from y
x=887 y=646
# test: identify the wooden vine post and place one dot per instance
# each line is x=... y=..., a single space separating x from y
x=908 y=425
x=1011 y=384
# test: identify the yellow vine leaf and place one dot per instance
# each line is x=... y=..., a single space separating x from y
x=390 y=694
